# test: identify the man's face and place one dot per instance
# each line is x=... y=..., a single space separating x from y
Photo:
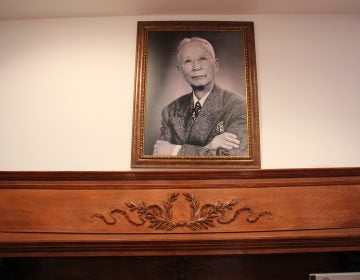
x=197 y=64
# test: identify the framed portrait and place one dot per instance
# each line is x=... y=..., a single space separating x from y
x=196 y=102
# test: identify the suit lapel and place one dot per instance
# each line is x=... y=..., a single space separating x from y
x=182 y=120
x=208 y=116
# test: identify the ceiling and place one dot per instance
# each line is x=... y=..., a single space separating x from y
x=26 y=9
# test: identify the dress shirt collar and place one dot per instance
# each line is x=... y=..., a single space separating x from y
x=203 y=99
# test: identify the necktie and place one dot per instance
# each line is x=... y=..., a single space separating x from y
x=196 y=110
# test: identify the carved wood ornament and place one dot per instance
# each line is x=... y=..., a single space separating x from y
x=182 y=270
x=48 y=213
x=201 y=216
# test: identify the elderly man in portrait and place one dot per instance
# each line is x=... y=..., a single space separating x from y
x=209 y=121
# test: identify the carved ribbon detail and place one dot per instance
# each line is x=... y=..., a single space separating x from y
x=201 y=216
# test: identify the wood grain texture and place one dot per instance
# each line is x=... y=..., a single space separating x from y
x=82 y=213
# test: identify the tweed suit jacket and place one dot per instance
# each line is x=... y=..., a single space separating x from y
x=223 y=111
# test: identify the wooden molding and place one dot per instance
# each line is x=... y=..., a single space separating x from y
x=304 y=210
x=177 y=174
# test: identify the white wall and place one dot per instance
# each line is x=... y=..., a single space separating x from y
x=66 y=91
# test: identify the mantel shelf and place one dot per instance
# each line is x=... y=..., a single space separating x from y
x=188 y=212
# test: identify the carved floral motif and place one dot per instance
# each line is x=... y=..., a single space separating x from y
x=201 y=216
x=182 y=270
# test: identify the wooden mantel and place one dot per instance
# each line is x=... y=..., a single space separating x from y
x=179 y=212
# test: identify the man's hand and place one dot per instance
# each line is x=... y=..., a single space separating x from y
x=225 y=140
x=164 y=148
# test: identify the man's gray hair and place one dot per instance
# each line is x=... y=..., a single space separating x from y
x=204 y=42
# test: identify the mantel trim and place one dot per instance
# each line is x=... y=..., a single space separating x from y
x=303 y=210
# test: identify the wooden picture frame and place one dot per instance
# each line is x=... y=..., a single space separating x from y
x=165 y=72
